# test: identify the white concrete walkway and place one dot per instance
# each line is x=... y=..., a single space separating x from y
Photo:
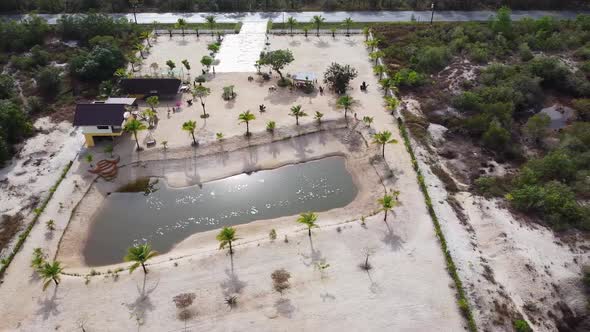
x=239 y=52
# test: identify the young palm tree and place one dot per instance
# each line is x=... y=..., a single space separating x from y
x=379 y=70
x=391 y=103
x=305 y=31
x=367 y=33
x=121 y=73
x=291 y=21
x=50 y=272
x=387 y=84
x=186 y=64
x=139 y=47
x=383 y=137
x=346 y=102
x=318 y=20
x=374 y=42
x=297 y=112
x=387 y=202
x=211 y=21
x=190 y=127
x=318 y=117
x=151 y=115
x=146 y=35
x=133 y=60
x=225 y=237
x=347 y=22
x=376 y=56
x=246 y=117
x=139 y=255
x=181 y=24
x=368 y=120
x=308 y=219
x=201 y=92
x=133 y=126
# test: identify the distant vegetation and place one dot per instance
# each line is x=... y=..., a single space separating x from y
x=523 y=64
x=70 y=6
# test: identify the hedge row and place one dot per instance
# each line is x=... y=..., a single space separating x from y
x=38 y=211
x=451 y=268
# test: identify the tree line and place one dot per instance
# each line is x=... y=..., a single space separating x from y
x=72 y=6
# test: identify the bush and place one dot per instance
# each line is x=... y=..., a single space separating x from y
x=432 y=58
x=489 y=186
x=7 y=86
x=582 y=106
x=408 y=78
x=479 y=53
x=49 y=82
x=496 y=137
x=97 y=65
x=524 y=51
x=34 y=105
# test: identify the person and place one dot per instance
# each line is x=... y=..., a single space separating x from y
x=189 y=102
x=364 y=86
x=321 y=90
x=262 y=108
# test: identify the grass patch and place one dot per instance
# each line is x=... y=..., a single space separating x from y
x=38 y=211
x=139 y=185
x=324 y=26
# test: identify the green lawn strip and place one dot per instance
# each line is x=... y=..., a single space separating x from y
x=190 y=27
x=451 y=268
x=324 y=26
x=38 y=211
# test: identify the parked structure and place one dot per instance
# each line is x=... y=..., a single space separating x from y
x=164 y=88
x=100 y=119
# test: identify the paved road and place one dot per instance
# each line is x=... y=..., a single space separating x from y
x=365 y=16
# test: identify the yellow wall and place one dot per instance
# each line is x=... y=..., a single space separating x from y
x=90 y=138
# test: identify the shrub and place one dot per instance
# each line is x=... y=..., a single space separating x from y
x=479 y=53
x=280 y=280
x=520 y=325
x=432 y=58
x=582 y=106
x=496 y=137
x=524 y=51
x=489 y=186
x=49 y=82
x=408 y=78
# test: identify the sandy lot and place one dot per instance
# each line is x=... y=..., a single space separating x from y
x=408 y=289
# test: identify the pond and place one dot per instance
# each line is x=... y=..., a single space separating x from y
x=164 y=216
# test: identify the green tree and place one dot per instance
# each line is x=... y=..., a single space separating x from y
x=372 y=43
x=50 y=272
x=153 y=102
x=291 y=21
x=347 y=23
x=502 y=23
x=171 y=65
x=387 y=203
x=376 y=56
x=145 y=35
x=246 y=117
x=186 y=64
x=180 y=24
x=318 y=117
x=582 y=106
x=97 y=65
x=379 y=70
x=382 y=138
x=134 y=126
x=211 y=21
x=150 y=114
x=496 y=137
x=277 y=60
x=309 y=220
x=7 y=86
x=139 y=255
x=207 y=61
x=347 y=103
x=190 y=127
x=49 y=82
x=225 y=237
x=297 y=112
x=139 y=48
x=339 y=77
x=202 y=92
x=537 y=125
x=317 y=20
x=367 y=32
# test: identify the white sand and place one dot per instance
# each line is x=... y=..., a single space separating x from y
x=408 y=289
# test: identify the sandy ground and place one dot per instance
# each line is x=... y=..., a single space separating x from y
x=509 y=266
x=407 y=290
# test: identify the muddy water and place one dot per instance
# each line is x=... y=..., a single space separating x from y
x=164 y=216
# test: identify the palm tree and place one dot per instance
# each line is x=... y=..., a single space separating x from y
x=291 y=21
x=297 y=112
x=367 y=33
x=246 y=117
x=374 y=42
x=376 y=55
x=121 y=73
x=308 y=219
x=383 y=137
x=190 y=127
x=211 y=21
x=346 y=102
x=201 y=92
x=146 y=35
x=387 y=84
x=151 y=115
x=368 y=120
x=181 y=23
x=318 y=20
x=305 y=30
x=133 y=126
x=387 y=202
x=50 y=272
x=139 y=47
x=318 y=117
x=348 y=23
x=391 y=103
x=225 y=237
x=379 y=70
x=133 y=60
x=139 y=255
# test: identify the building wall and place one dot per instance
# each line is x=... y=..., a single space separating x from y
x=95 y=130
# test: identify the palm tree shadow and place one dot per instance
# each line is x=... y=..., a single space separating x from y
x=274 y=149
x=373 y=286
x=395 y=242
x=284 y=307
x=142 y=303
x=327 y=297
x=49 y=306
x=314 y=257
x=233 y=284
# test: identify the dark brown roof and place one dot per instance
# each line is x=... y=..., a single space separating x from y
x=99 y=114
x=145 y=86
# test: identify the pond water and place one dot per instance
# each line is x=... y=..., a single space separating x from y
x=163 y=216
